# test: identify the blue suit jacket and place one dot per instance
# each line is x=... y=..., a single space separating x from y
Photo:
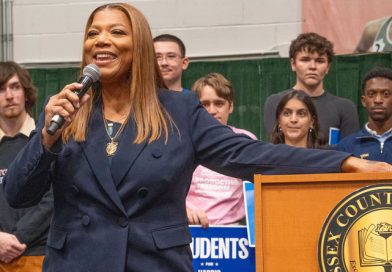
x=130 y=215
x=364 y=145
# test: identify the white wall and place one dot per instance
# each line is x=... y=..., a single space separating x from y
x=50 y=31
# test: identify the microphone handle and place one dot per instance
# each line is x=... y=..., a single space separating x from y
x=57 y=120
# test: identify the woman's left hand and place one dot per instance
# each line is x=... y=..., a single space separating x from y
x=356 y=165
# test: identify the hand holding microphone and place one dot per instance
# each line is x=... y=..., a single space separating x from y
x=90 y=75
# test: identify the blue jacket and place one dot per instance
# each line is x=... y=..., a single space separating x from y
x=130 y=215
x=364 y=145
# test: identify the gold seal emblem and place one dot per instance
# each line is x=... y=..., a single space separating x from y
x=356 y=237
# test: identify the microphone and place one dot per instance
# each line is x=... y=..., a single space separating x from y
x=90 y=75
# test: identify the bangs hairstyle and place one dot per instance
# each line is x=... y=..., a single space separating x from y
x=314 y=139
x=150 y=117
x=311 y=42
x=9 y=69
x=218 y=82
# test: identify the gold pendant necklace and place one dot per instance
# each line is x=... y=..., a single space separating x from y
x=111 y=147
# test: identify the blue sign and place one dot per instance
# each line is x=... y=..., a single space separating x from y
x=222 y=249
x=249 y=199
x=334 y=136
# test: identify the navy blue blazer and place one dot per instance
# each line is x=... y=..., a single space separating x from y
x=131 y=215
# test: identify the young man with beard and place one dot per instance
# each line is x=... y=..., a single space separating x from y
x=374 y=141
x=23 y=232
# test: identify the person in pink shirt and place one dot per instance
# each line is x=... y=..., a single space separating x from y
x=213 y=198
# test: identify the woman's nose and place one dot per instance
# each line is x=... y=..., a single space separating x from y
x=102 y=38
x=293 y=118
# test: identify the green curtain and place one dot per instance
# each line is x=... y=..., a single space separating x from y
x=50 y=81
x=253 y=81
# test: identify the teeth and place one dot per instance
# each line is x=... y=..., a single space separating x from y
x=104 y=56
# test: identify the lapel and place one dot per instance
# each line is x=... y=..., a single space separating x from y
x=95 y=150
x=127 y=152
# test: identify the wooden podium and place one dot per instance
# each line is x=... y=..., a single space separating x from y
x=290 y=211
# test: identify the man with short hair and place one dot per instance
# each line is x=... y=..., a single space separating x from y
x=23 y=232
x=310 y=57
x=170 y=53
x=374 y=141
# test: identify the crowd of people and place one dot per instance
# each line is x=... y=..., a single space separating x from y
x=140 y=157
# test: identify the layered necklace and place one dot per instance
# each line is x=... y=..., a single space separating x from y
x=111 y=146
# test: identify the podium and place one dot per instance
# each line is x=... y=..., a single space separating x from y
x=290 y=211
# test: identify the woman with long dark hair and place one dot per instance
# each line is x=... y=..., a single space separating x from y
x=297 y=122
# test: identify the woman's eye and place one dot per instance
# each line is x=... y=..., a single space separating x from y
x=118 y=32
x=91 y=34
x=302 y=113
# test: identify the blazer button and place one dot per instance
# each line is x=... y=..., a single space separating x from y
x=142 y=192
x=85 y=220
x=122 y=221
x=157 y=153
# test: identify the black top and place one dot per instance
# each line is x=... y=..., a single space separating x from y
x=29 y=225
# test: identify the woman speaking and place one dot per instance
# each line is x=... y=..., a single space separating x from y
x=122 y=163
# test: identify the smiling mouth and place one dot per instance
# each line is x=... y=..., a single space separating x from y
x=104 y=57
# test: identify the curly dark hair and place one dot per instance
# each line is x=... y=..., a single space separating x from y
x=315 y=139
x=9 y=69
x=311 y=42
x=378 y=71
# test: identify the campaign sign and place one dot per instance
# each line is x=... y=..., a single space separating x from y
x=222 y=249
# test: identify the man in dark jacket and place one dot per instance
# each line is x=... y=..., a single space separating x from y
x=23 y=232
x=374 y=141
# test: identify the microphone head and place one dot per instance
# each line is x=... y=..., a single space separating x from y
x=92 y=71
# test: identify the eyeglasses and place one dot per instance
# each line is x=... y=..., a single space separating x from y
x=170 y=57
